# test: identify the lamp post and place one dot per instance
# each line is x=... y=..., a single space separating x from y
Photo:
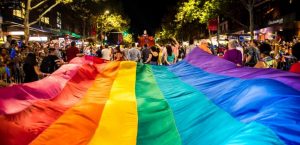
x=102 y=27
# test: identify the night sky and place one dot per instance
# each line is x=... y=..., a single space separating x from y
x=146 y=14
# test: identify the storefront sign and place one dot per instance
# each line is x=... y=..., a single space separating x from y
x=213 y=24
x=39 y=39
x=278 y=21
x=16 y=33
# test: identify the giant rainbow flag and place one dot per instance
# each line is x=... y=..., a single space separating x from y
x=202 y=100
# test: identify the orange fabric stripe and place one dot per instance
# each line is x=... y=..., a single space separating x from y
x=78 y=124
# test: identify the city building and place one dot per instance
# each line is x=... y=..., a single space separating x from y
x=277 y=19
x=59 y=22
x=273 y=19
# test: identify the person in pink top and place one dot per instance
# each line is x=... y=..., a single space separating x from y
x=175 y=48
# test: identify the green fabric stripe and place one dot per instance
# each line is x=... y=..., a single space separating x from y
x=156 y=125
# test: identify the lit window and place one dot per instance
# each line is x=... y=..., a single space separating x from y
x=58 y=20
x=17 y=13
x=45 y=20
x=20 y=13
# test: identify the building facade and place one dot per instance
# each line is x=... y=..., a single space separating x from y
x=58 y=22
x=272 y=19
x=277 y=19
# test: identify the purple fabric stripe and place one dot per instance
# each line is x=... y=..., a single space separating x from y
x=214 y=64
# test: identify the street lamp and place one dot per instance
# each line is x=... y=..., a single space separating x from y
x=105 y=17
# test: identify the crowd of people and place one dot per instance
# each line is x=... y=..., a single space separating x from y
x=267 y=54
x=28 y=63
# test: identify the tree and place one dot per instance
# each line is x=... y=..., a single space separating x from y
x=168 y=26
x=193 y=15
x=197 y=10
x=127 y=38
x=107 y=22
x=203 y=10
x=165 y=33
x=38 y=4
x=86 y=10
x=249 y=5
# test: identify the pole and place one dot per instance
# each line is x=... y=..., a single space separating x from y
x=209 y=35
x=218 y=31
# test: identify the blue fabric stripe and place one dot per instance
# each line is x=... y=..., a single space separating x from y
x=265 y=101
x=199 y=121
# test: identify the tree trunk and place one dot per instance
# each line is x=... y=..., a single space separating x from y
x=84 y=27
x=26 y=22
x=218 y=31
x=251 y=28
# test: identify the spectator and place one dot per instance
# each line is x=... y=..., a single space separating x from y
x=251 y=54
x=58 y=52
x=161 y=58
x=13 y=49
x=134 y=54
x=31 y=69
x=232 y=54
x=175 y=47
x=99 y=52
x=106 y=53
x=153 y=56
x=265 y=61
x=204 y=46
x=296 y=52
x=145 y=53
x=170 y=57
x=4 y=60
x=73 y=52
x=8 y=42
x=191 y=46
x=126 y=52
x=50 y=62
x=182 y=53
x=118 y=54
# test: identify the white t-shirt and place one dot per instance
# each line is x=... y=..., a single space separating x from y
x=106 y=53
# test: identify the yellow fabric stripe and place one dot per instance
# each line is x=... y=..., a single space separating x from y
x=119 y=122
